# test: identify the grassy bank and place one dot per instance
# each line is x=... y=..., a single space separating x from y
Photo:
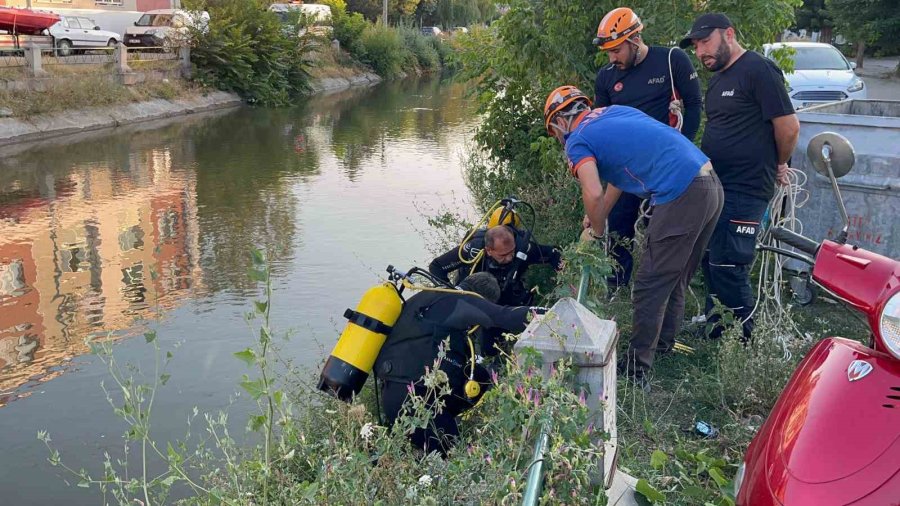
x=724 y=383
x=79 y=91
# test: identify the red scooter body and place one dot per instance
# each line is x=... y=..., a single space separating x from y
x=833 y=437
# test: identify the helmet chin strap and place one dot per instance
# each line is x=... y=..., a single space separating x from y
x=570 y=118
x=637 y=52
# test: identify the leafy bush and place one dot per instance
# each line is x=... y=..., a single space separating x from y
x=423 y=53
x=248 y=50
x=382 y=48
x=348 y=28
x=445 y=51
x=389 y=51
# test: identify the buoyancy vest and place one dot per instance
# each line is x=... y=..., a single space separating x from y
x=413 y=342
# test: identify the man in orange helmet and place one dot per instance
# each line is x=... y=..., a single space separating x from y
x=635 y=154
x=654 y=79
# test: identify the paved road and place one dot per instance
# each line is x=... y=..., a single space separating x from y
x=878 y=73
x=883 y=89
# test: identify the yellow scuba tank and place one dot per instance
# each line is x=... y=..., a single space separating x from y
x=346 y=370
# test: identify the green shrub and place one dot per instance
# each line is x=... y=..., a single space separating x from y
x=348 y=30
x=248 y=50
x=422 y=53
x=443 y=49
x=382 y=48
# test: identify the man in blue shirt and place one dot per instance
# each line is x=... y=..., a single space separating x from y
x=635 y=154
x=650 y=79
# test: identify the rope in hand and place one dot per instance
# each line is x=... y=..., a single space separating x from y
x=676 y=105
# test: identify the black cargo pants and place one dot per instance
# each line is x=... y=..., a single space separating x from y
x=729 y=258
x=675 y=242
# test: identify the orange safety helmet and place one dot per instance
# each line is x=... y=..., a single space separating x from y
x=559 y=99
x=616 y=27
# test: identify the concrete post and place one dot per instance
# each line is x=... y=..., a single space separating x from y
x=571 y=331
x=184 y=53
x=122 y=59
x=33 y=60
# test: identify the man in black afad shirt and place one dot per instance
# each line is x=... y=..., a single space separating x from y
x=639 y=76
x=751 y=130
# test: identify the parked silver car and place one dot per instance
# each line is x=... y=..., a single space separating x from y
x=73 y=33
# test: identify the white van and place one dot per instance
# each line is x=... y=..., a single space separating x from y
x=163 y=27
x=318 y=14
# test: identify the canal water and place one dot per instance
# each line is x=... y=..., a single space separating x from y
x=112 y=234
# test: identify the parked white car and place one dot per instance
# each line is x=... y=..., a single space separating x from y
x=74 y=33
x=163 y=27
x=821 y=74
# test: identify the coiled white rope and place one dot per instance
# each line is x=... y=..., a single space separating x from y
x=782 y=211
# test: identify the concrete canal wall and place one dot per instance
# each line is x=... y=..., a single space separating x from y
x=45 y=126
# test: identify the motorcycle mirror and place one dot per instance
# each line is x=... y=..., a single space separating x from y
x=832 y=155
x=834 y=148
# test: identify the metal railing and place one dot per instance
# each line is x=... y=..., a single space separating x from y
x=136 y=54
x=11 y=60
x=82 y=56
x=35 y=59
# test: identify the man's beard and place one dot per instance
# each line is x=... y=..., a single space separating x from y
x=720 y=59
x=632 y=61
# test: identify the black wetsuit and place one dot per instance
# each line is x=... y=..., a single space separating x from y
x=509 y=276
x=429 y=319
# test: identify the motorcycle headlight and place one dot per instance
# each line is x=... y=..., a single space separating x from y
x=739 y=479
x=889 y=325
x=856 y=85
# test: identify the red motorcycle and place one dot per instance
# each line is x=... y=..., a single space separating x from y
x=833 y=437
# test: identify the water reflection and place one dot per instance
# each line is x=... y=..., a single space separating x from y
x=87 y=247
x=100 y=233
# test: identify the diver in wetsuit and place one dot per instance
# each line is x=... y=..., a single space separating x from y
x=429 y=319
x=508 y=252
